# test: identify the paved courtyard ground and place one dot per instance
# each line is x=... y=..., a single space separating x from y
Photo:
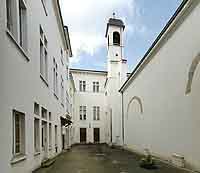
x=101 y=159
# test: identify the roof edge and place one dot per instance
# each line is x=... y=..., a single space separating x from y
x=88 y=70
x=156 y=41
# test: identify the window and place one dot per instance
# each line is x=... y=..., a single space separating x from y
x=44 y=135
x=37 y=134
x=67 y=70
x=116 y=38
x=50 y=135
x=50 y=118
x=82 y=85
x=22 y=24
x=44 y=113
x=9 y=10
x=82 y=112
x=55 y=77
x=56 y=138
x=18 y=133
x=62 y=56
x=36 y=109
x=17 y=21
x=95 y=86
x=96 y=112
x=43 y=55
x=62 y=90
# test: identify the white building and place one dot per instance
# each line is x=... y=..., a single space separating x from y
x=35 y=52
x=161 y=97
x=89 y=118
x=98 y=102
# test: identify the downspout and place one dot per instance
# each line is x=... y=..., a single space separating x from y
x=122 y=118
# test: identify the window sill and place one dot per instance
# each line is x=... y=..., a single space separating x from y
x=37 y=153
x=36 y=116
x=18 y=46
x=44 y=80
x=116 y=44
x=17 y=159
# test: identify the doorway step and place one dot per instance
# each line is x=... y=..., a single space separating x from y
x=47 y=163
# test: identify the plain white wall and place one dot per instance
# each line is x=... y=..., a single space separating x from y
x=170 y=121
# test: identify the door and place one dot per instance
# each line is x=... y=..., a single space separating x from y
x=83 y=135
x=96 y=135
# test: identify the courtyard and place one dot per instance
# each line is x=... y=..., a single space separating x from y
x=101 y=159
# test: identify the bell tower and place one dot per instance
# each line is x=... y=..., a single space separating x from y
x=114 y=35
x=117 y=74
x=115 y=45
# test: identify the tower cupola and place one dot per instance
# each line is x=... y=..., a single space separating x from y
x=114 y=34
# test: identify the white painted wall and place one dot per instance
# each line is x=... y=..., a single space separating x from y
x=72 y=91
x=89 y=99
x=21 y=84
x=117 y=74
x=170 y=122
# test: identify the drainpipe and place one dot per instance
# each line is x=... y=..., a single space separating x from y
x=122 y=118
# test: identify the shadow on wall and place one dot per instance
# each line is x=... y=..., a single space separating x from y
x=192 y=70
x=135 y=98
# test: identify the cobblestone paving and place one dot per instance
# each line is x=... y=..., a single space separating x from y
x=101 y=159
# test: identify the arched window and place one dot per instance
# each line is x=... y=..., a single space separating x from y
x=191 y=72
x=138 y=100
x=116 y=38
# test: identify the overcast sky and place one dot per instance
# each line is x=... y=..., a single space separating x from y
x=87 y=19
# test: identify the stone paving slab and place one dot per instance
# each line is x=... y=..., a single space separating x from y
x=101 y=159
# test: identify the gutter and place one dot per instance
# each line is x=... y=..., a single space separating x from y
x=169 y=23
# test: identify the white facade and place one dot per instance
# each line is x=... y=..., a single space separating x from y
x=161 y=98
x=89 y=99
x=25 y=83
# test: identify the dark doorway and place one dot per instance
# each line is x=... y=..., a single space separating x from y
x=96 y=135
x=63 y=142
x=82 y=135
